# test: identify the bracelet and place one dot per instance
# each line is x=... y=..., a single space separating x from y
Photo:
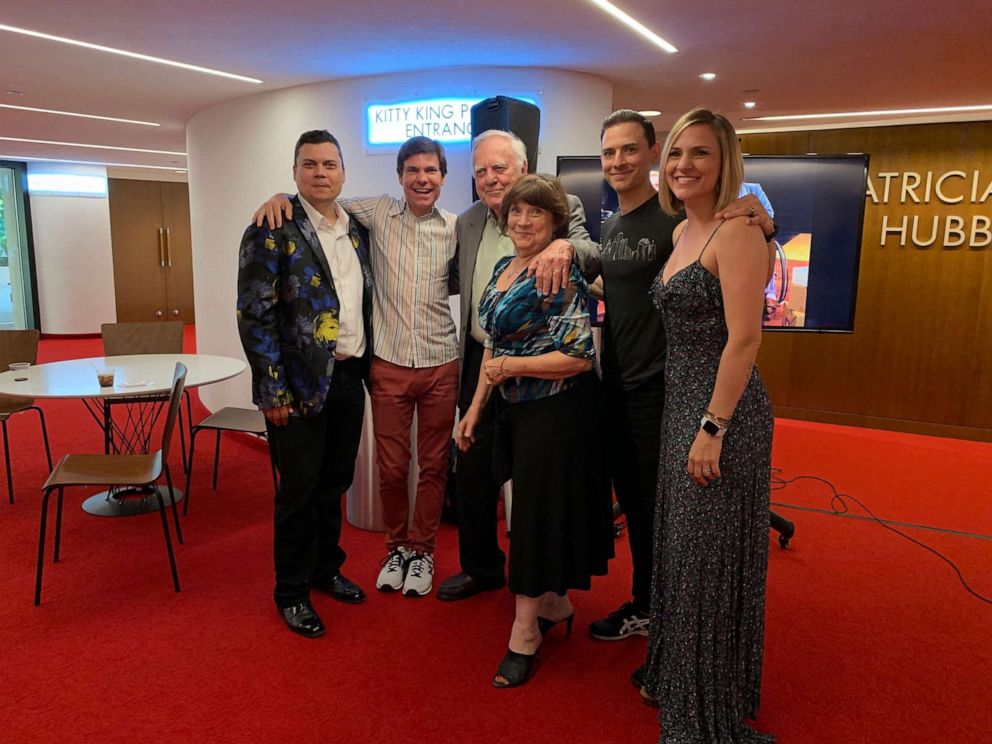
x=502 y=363
x=720 y=421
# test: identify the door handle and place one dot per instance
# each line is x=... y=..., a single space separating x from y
x=168 y=247
x=158 y=313
x=161 y=247
x=176 y=312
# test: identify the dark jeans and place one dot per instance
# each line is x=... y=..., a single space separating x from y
x=315 y=457
x=633 y=443
x=476 y=488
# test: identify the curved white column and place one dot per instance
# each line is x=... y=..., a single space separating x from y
x=241 y=152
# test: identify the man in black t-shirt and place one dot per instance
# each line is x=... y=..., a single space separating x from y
x=635 y=242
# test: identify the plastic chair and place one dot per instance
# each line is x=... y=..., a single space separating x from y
x=245 y=420
x=19 y=346
x=156 y=337
x=116 y=470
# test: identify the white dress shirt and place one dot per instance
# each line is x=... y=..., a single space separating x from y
x=346 y=273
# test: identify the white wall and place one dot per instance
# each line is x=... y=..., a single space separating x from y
x=241 y=152
x=73 y=257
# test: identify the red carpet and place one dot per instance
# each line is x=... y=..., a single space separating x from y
x=870 y=638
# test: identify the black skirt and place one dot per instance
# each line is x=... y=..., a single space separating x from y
x=562 y=510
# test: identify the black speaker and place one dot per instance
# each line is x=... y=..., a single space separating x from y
x=510 y=115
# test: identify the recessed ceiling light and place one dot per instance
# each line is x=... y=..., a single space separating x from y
x=649 y=112
x=14 y=92
x=750 y=104
x=95 y=147
x=708 y=76
x=83 y=116
x=634 y=25
x=125 y=53
x=88 y=162
x=886 y=112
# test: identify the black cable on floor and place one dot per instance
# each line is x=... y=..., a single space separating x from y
x=840 y=507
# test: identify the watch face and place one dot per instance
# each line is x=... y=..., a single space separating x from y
x=710 y=428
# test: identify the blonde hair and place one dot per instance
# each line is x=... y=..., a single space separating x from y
x=731 y=162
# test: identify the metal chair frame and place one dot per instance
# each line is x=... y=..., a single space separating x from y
x=230 y=418
x=116 y=470
x=19 y=346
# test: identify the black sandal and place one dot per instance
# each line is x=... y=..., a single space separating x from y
x=514 y=669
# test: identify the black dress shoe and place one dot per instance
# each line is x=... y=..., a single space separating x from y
x=342 y=589
x=302 y=619
x=463 y=586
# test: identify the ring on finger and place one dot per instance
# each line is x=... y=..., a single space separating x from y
x=751 y=213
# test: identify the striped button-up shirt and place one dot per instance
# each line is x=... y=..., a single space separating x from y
x=411 y=317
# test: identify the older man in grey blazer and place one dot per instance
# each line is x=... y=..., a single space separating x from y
x=498 y=159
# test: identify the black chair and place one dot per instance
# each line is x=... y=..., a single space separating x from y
x=19 y=346
x=245 y=420
x=116 y=470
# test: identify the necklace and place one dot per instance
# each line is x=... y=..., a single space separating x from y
x=513 y=270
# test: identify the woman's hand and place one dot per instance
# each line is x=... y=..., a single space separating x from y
x=272 y=211
x=495 y=371
x=704 y=458
x=466 y=427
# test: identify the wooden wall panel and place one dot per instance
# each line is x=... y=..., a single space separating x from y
x=920 y=358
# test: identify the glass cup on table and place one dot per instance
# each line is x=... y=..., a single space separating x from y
x=105 y=377
x=19 y=368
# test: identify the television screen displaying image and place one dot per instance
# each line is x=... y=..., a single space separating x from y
x=818 y=202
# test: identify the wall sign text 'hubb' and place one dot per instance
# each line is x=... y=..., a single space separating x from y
x=950 y=187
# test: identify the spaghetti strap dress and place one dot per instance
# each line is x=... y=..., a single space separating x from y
x=711 y=542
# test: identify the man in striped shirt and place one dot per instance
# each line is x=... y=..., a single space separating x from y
x=415 y=363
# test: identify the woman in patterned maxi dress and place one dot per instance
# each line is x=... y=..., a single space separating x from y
x=711 y=525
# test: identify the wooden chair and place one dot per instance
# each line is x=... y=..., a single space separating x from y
x=231 y=418
x=116 y=470
x=165 y=337
x=19 y=346
x=157 y=337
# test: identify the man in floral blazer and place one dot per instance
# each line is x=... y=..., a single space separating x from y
x=304 y=316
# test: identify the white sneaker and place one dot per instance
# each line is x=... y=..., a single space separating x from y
x=419 y=575
x=393 y=570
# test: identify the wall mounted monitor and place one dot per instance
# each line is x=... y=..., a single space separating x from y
x=818 y=202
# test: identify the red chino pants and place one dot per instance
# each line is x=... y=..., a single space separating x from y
x=397 y=392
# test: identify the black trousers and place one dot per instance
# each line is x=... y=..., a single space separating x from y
x=476 y=487
x=633 y=444
x=315 y=457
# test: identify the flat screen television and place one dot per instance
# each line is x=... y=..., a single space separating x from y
x=818 y=202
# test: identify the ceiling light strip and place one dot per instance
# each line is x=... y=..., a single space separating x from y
x=888 y=112
x=634 y=25
x=125 y=53
x=94 y=147
x=91 y=162
x=83 y=116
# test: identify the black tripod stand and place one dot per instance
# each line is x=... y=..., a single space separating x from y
x=780 y=524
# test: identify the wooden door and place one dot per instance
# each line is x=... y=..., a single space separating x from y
x=179 y=252
x=139 y=277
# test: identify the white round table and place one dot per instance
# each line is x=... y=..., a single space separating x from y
x=140 y=382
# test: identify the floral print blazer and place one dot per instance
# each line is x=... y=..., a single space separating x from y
x=288 y=311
